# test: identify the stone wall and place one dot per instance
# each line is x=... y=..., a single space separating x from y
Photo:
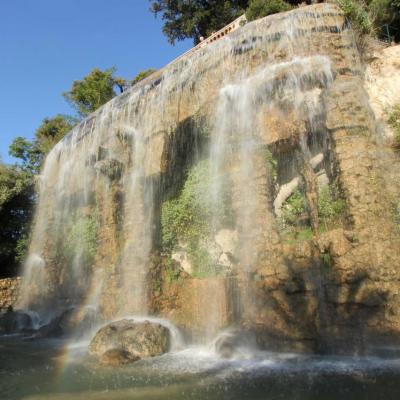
x=9 y=290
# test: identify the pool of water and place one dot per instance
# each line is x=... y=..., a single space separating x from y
x=52 y=369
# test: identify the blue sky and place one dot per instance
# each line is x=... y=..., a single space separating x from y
x=47 y=44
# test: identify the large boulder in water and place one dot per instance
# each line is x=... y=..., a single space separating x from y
x=131 y=340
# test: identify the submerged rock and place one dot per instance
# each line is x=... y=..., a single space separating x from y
x=234 y=344
x=127 y=340
x=15 y=322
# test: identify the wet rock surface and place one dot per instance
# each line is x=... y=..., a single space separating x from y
x=15 y=322
x=126 y=341
x=117 y=357
x=235 y=344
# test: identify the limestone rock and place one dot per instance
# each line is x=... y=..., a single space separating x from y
x=9 y=290
x=225 y=261
x=182 y=258
x=284 y=193
x=227 y=240
x=138 y=339
x=382 y=82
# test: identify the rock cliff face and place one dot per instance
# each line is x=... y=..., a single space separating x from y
x=246 y=184
x=9 y=290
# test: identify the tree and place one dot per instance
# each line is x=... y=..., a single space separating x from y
x=28 y=152
x=16 y=207
x=194 y=19
x=94 y=90
x=17 y=188
x=142 y=75
x=32 y=153
x=52 y=130
x=262 y=8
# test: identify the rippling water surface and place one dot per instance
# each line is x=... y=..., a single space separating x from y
x=50 y=370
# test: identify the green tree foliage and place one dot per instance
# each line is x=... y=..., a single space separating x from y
x=16 y=205
x=142 y=75
x=262 y=8
x=28 y=152
x=94 y=90
x=193 y=19
x=52 y=130
x=32 y=153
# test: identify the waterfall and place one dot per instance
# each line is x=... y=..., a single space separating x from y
x=99 y=203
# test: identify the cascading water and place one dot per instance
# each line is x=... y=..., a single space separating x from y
x=238 y=150
x=101 y=186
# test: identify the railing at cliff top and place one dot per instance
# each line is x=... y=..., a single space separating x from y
x=233 y=26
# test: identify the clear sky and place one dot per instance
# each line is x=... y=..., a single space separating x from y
x=47 y=44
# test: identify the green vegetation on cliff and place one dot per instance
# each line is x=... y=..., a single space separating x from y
x=192 y=217
x=294 y=217
x=81 y=237
x=394 y=122
x=142 y=75
x=375 y=17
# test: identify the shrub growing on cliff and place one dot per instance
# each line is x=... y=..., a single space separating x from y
x=294 y=210
x=396 y=212
x=142 y=75
x=356 y=11
x=262 y=8
x=376 y=17
x=394 y=122
x=330 y=209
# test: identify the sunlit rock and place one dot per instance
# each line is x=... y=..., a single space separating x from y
x=138 y=339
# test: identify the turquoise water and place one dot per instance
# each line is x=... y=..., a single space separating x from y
x=46 y=370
